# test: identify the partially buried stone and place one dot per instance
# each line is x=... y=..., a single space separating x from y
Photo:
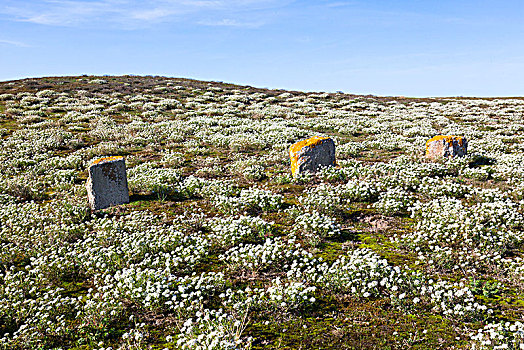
x=445 y=146
x=307 y=155
x=107 y=183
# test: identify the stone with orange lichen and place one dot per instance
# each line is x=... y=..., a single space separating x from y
x=106 y=159
x=446 y=146
x=107 y=183
x=307 y=155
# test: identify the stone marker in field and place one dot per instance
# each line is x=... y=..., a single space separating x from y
x=308 y=155
x=107 y=183
x=444 y=146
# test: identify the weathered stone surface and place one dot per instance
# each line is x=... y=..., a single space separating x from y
x=307 y=155
x=107 y=183
x=444 y=146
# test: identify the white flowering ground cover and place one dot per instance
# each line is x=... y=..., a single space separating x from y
x=220 y=248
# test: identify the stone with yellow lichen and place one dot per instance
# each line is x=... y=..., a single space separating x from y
x=307 y=155
x=445 y=146
x=107 y=183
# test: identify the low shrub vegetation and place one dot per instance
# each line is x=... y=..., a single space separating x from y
x=220 y=248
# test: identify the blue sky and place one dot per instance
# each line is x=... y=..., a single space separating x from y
x=381 y=47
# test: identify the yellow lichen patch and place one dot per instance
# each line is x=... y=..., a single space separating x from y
x=448 y=138
x=106 y=159
x=294 y=150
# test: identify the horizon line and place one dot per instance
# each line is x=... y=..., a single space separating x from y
x=269 y=88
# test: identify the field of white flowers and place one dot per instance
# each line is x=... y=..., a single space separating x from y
x=221 y=248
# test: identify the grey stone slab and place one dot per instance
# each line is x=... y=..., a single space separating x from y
x=308 y=155
x=445 y=146
x=107 y=183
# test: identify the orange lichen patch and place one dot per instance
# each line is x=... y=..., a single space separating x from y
x=295 y=149
x=448 y=138
x=106 y=159
x=312 y=141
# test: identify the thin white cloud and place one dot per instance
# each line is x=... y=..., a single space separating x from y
x=232 y=23
x=13 y=43
x=60 y=12
x=155 y=14
x=340 y=3
x=134 y=12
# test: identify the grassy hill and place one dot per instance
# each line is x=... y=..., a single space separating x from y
x=220 y=247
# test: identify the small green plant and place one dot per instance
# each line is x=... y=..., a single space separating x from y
x=488 y=289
